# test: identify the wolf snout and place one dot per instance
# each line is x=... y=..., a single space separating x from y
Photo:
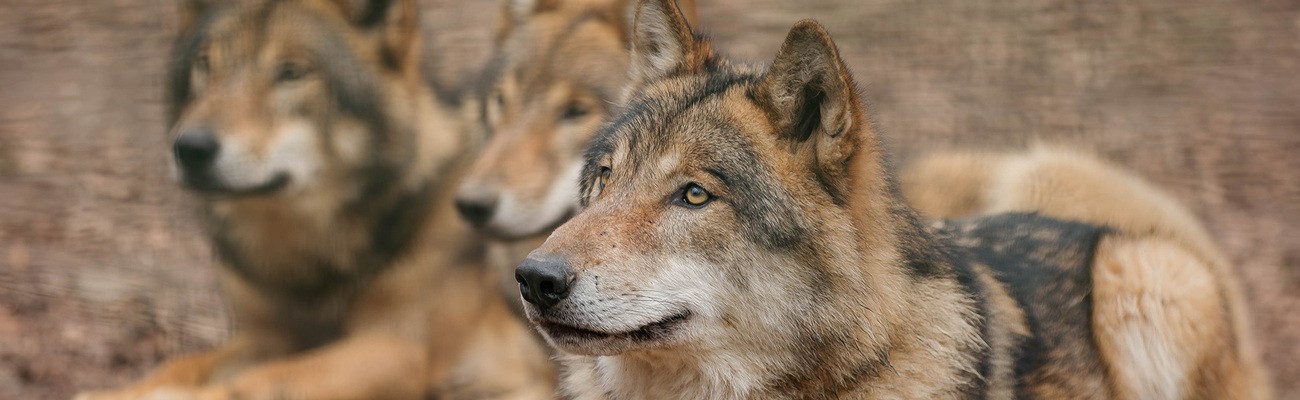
x=544 y=281
x=196 y=148
x=476 y=206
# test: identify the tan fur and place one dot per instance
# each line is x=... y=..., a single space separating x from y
x=1161 y=325
x=543 y=103
x=558 y=66
x=949 y=185
x=540 y=112
x=740 y=238
x=552 y=57
x=1053 y=181
x=1067 y=184
x=626 y=238
x=425 y=321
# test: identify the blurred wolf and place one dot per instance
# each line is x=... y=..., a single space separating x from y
x=741 y=236
x=558 y=69
x=325 y=169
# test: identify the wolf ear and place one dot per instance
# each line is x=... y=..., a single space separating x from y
x=191 y=11
x=662 y=43
x=688 y=9
x=515 y=12
x=624 y=13
x=394 y=23
x=811 y=95
x=522 y=9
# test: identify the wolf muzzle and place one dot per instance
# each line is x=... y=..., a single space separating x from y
x=477 y=209
x=544 y=281
x=195 y=149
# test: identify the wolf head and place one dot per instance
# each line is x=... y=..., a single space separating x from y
x=723 y=203
x=558 y=70
x=300 y=97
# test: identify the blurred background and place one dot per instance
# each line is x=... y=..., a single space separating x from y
x=104 y=273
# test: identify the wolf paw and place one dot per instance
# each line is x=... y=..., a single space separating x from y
x=165 y=393
x=103 y=395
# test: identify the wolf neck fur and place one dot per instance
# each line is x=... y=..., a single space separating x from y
x=845 y=346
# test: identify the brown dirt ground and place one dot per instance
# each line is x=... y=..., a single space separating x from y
x=103 y=272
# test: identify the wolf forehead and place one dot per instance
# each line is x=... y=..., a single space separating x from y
x=566 y=52
x=243 y=32
x=650 y=128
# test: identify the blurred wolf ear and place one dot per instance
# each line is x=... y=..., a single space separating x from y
x=624 y=13
x=663 y=44
x=812 y=96
x=688 y=9
x=394 y=23
x=522 y=9
x=515 y=12
x=191 y=11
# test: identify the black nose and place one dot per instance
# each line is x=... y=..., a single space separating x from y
x=544 y=282
x=476 y=210
x=196 y=148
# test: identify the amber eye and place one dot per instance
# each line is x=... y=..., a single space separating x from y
x=695 y=196
x=601 y=179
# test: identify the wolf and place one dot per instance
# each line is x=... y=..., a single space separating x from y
x=1055 y=181
x=325 y=168
x=557 y=70
x=742 y=236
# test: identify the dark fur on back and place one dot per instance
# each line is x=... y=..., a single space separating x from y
x=1045 y=264
x=749 y=219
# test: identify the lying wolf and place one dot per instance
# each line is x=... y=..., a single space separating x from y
x=1061 y=183
x=742 y=237
x=325 y=170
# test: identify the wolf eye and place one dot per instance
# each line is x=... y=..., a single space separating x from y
x=575 y=110
x=201 y=62
x=601 y=178
x=289 y=71
x=694 y=196
x=493 y=107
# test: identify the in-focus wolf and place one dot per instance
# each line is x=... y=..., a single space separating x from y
x=1060 y=183
x=325 y=169
x=741 y=237
x=557 y=71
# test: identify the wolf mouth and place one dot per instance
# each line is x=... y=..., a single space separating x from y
x=211 y=186
x=646 y=332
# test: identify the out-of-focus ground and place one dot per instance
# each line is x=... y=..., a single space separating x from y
x=103 y=272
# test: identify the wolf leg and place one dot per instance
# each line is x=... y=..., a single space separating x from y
x=1161 y=323
x=367 y=366
x=191 y=371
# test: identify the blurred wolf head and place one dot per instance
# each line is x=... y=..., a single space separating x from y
x=557 y=71
x=300 y=99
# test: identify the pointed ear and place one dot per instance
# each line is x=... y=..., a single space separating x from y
x=522 y=9
x=624 y=12
x=662 y=43
x=191 y=11
x=811 y=95
x=688 y=9
x=515 y=12
x=394 y=23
